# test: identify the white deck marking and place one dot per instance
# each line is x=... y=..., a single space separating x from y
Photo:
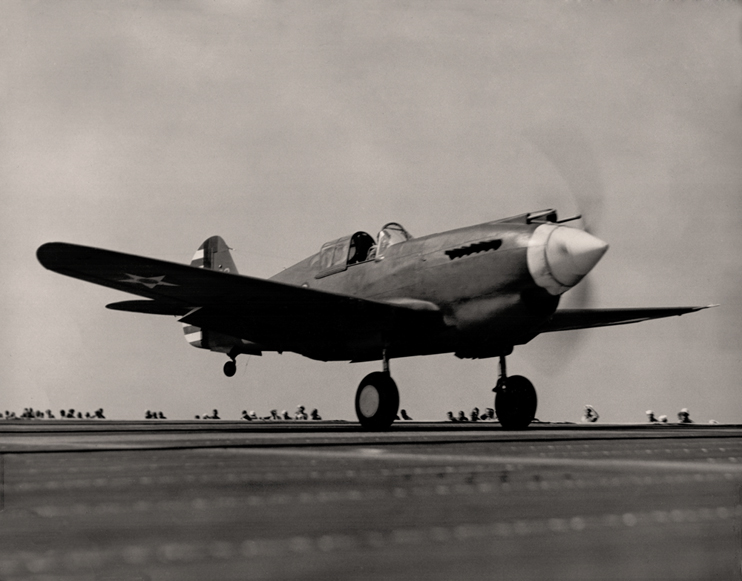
x=601 y=463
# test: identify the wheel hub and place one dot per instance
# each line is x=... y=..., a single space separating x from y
x=368 y=401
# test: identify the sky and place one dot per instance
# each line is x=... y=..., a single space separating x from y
x=146 y=127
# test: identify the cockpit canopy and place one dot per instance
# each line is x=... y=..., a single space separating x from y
x=337 y=255
x=391 y=234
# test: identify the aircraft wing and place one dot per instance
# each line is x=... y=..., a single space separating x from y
x=570 y=319
x=276 y=315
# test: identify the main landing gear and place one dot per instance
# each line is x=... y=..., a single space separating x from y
x=515 y=400
x=377 y=399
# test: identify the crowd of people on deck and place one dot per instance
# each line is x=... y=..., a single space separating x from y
x=589 y=415
x=474 y=416
x=683 y=418
x=30 y=413
x=274 y=415
x=300 y=414
x=70 y=414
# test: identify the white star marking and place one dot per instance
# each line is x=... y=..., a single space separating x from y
x=149 y=281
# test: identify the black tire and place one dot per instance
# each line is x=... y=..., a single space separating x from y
x=515 y=403
x=377 y=401
x=230 y=368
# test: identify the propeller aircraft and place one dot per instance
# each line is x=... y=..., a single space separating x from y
x=477 y=292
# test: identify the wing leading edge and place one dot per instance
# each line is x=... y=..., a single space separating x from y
x=572 y=319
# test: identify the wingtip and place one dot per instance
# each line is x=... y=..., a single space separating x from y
x=55 y=255
x=45 y=253
x=701 y=308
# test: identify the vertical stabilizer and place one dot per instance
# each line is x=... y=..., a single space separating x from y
x=214 y=255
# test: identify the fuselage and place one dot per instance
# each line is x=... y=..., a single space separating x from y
x=477 y=277
x=475 y=291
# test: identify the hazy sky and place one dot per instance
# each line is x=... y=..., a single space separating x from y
x=146 y=127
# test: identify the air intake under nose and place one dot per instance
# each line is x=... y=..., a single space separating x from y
x=559 y=257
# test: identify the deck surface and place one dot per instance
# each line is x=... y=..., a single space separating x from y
x=309 y=500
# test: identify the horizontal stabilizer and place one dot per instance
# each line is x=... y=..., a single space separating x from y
x=149 y=307
x=571 y=319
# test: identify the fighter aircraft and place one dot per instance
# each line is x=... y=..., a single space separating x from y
x=476 y=292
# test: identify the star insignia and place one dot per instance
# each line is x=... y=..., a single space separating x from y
x=149 y=281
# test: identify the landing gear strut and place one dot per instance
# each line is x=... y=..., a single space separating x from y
x=377 y=399
x=515 y=400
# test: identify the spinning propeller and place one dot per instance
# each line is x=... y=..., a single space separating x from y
x=572 y=156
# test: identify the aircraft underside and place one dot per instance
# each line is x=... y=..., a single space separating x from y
x=377 y=400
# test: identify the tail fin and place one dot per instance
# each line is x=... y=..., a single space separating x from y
x=214 y=255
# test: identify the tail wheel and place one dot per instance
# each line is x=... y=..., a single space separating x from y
x=515 y=403
x=230 y=368
x=377 y=401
